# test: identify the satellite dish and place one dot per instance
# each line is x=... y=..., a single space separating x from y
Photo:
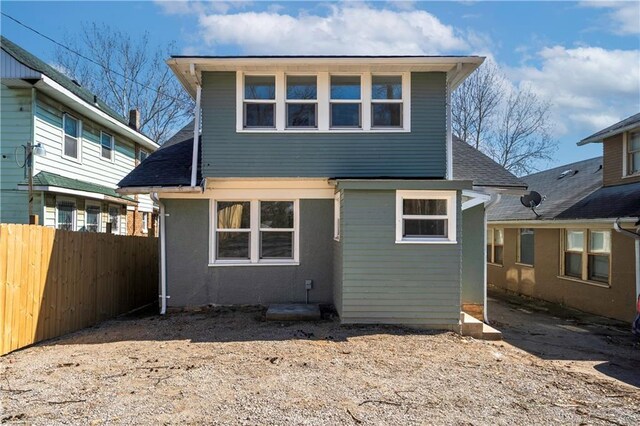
x=532 y=200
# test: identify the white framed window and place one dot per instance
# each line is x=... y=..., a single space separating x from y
x=142 y=155
x=426 y=217
x=633 y=153
x=336 y=216
x=66 y=214
x=323 y=102
x=107 y=145
x=145 y=222
x=254 y=232
x=72 y=129
x=587 y=254
x=302 y=102
x=259 y=103
x=114 y=219
x=93 y=216
x=526 y=249
x=495 y=245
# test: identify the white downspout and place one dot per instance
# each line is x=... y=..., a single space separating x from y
x=196 y=137
x=494 y=199
x=163 y=255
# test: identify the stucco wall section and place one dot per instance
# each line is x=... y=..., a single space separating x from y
x=191 y=282
x=542 y=281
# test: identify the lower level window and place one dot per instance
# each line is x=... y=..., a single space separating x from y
x=114 y=219
x=495 y=245
x=425 y=216
x=255 y=231
x=66 y=215
x=526 y=243
x=92 y=219
x=145 y=222
x=587 y=254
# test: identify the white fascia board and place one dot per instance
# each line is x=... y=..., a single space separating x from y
x=476 y=198
x=85 y=194
x=56 y=91
x=601 y=138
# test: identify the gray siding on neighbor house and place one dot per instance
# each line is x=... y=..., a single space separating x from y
x=419 y=153
x=385 y=282
x=191 y=282
x=473 y=257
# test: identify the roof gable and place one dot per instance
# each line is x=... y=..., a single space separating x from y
x=619 y=127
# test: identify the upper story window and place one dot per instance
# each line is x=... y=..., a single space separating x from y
x=142 y=155
x=346 y=102
x=259 y=102
x=633 y=153
x=71 y=141
x=107 y=145
x=386 y=101
x=302 y=101
x=323 y=102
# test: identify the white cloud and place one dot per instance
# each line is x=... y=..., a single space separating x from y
x=348 y=28
x=623 y=16
x=589 y=87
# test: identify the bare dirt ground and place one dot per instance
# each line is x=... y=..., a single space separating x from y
x=226 y=366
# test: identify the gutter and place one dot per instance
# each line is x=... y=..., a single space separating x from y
x=158 y=189
x=635 y=236
x=163 y=255
x=602 y=137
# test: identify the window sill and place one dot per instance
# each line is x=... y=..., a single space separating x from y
x=581 y=281
x=425 y=242
x=497 y=265
x=631 y=176
x=525 y=264
x=217 y=264
x=294 y=131
x=75 y=160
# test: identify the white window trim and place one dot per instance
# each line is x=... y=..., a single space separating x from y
x=88 y=204
x=450 y=196
x=78 y=138
x=323 y=101
x=140 y=151
x=336 y=216
x=74 y=225
x=113 y=147
x=301 y=101
x=254 y=230
x=145 y=222
x=119 y=230
x=626 y=154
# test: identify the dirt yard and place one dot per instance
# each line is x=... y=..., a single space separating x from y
x=229 y=367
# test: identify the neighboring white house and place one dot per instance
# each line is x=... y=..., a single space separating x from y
x=81 y=150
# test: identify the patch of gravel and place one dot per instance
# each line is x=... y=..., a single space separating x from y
x=227 y=366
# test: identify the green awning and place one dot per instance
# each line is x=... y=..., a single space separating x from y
x=48 y=179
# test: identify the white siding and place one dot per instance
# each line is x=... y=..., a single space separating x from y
x=10 y=68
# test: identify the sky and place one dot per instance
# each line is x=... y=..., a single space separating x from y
x=583 y=57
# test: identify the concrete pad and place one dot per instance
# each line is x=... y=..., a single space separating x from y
x=490 y=333
x=293 y=312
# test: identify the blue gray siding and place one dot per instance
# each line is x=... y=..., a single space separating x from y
x=473 y=259
x=420 y=153
x=385 y=282
x=192 y=283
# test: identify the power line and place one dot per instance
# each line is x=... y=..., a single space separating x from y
x=75 y=52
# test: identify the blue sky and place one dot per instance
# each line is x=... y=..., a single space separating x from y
x=582 y=56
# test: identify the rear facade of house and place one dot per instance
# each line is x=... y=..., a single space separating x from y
x=321 y=177
x=84 y=150
x=572 y=253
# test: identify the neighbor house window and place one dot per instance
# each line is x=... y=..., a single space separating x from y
x=495 y=245
x=142 y=155
x=526 y=243
x=259 y=102
x=425 y=216
x=66 y=215
x=633 y=153
x=107 y=145
x=92 y=217
x=587 y=254
x=336 y=217
x=71 y=142
x=255 y=231
x=346 y=102
x=145 y=222
x=114 y=219
x=386 y=101
x=302 y=101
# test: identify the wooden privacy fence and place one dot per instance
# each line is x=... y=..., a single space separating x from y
x=54 y=282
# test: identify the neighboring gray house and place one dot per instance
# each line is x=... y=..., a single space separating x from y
x=338 y=171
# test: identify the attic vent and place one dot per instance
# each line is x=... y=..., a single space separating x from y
x=566 y=173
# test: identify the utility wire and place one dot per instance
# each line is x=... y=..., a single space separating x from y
x=75 y=52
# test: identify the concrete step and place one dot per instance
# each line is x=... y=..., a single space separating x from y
x=293 y=312
x=490 y=333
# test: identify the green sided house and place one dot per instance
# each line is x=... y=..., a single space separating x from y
x=332 y=178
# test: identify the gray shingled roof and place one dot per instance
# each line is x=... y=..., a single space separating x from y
x=608 y=202
x=612 y=130
x=471 y=164
x=171 y=165
x=560 y=193
x=42 y=67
